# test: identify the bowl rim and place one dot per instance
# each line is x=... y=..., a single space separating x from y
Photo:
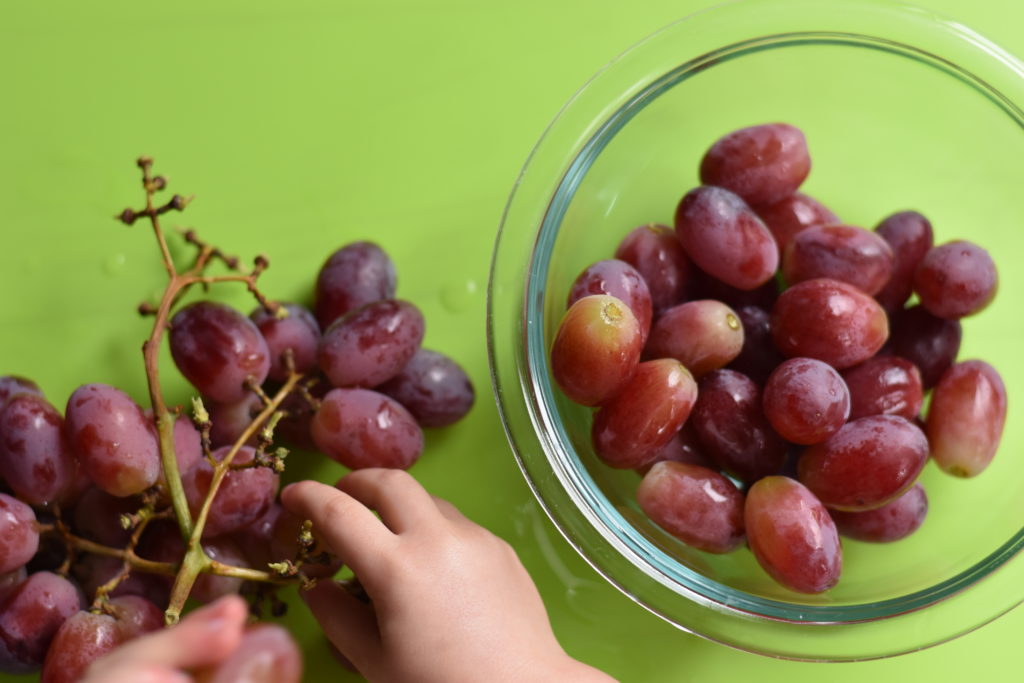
x=530 y=370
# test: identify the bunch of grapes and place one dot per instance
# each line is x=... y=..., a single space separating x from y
x=764 y=365
x=112 y=516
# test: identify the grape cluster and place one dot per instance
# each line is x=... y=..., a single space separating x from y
x=764 y=365
x=93 y=547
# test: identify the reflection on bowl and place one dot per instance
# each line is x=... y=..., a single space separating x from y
x=902 y=110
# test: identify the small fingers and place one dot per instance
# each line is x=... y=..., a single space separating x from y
x=399 y=499
x=347 y=526
x=348 y=623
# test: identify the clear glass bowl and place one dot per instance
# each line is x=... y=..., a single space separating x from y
x=902 y=109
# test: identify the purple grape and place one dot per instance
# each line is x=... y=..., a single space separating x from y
x=254 y=538
x=806 y=401
x=370 y=345
x=891 y=522
x=113 y=439
x=792 y=215
x=433 y=387
x=12 y=385
x=363 y=428
x=884 y=385
x=684 y=447
x=92 y=571
x=298 y=331
x=763 y=164
x=955 y=280
x=35 y=459
x=97 y=516
x=910 y=236
x=244 y=494
x=229 y=420
x=216 y=348
x=19 y=539
x=841 y=252
x=30 y=617
x=209 y=587
x=619 y=279
x=928 y=342
x=353 y=276
x=82 y=639
x=758 y=357
x=11 y=580
x=659 y=258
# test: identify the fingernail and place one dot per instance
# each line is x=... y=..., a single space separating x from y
x=215 y=615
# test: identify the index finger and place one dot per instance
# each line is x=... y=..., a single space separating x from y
x=347 y=526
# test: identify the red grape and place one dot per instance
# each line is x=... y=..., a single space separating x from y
x=92 y=571
x=370 y=345
x=729 y=420
x=966 y=418
x=209 y=587
x=725 y=238
x=840 y=252
x=630 y=429
x=955 y=279
x=229 y=420
x=19 y=538
x=910 y=236
x=866 y=464
x=830 y=321
x=81 y=640
x=930 y=343
x=596 y=349
x=113 y=439
x=136 y=615
x=795 y=213
x=244 y=494
x=619 y=279
x=792 y=535
x=656 y=254
x=353 y=276
x=266 y=654
x=707 y=287
x=254 y=538
x=702 y=335
x=895 y=520
x=363 y=428
x=684 y=447
x=758 y=357
x=10 y=580
x=806 y=400
x=763 y=164
x=12 y=385
x=297 y=331
x=216 y=348
x=30 y=617
x=695 y=504
x=97 y=516
x=188 y=446
x=884 y=385
x=433 y=387
x=35 y=459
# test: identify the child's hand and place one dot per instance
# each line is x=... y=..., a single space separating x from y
x=450 y=601
x=203 y=639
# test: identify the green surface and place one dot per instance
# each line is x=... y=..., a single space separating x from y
x=301 y=126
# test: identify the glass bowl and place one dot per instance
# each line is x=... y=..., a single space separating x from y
x=902 y=110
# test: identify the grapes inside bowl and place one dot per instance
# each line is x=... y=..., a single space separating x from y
x=902 y=111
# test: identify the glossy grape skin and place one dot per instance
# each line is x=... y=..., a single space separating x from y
x=758 y=357
x=10 y=580
x=684 y=447
x=97 y=516
x=895 y=520
x=12 y=385
x=830 y=321
x=30 y=617
x=763 y=164
x=362 y=428
x=792 y=535
x=433 y=387
x=216 y=348
x=885 y=385
x=242 y=497
x=792 y=215
x=209 y=587
x=731 y=425
x=695 y=504
x=806 y=401
x=966 y=418
x=35 y=459
x=634 y=425
x=92 y=571
x=355 y=275
x=955 y=280
x=229 y=420
x=702 y=335
x=725 y=238
x=115 y=442
x=370 y=345
x=297 y=331
x=910 y=236
x=81 y=640
x=866 y=464
x=930 y=343
x=841 y=252
x=254 y=538
x=656 y=254
x=267 y=653
x=19 y=538
x=284 y=545
x=619 y=279
x=596 y=349
x=293 y=429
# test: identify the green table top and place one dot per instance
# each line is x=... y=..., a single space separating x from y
x=305 y=125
